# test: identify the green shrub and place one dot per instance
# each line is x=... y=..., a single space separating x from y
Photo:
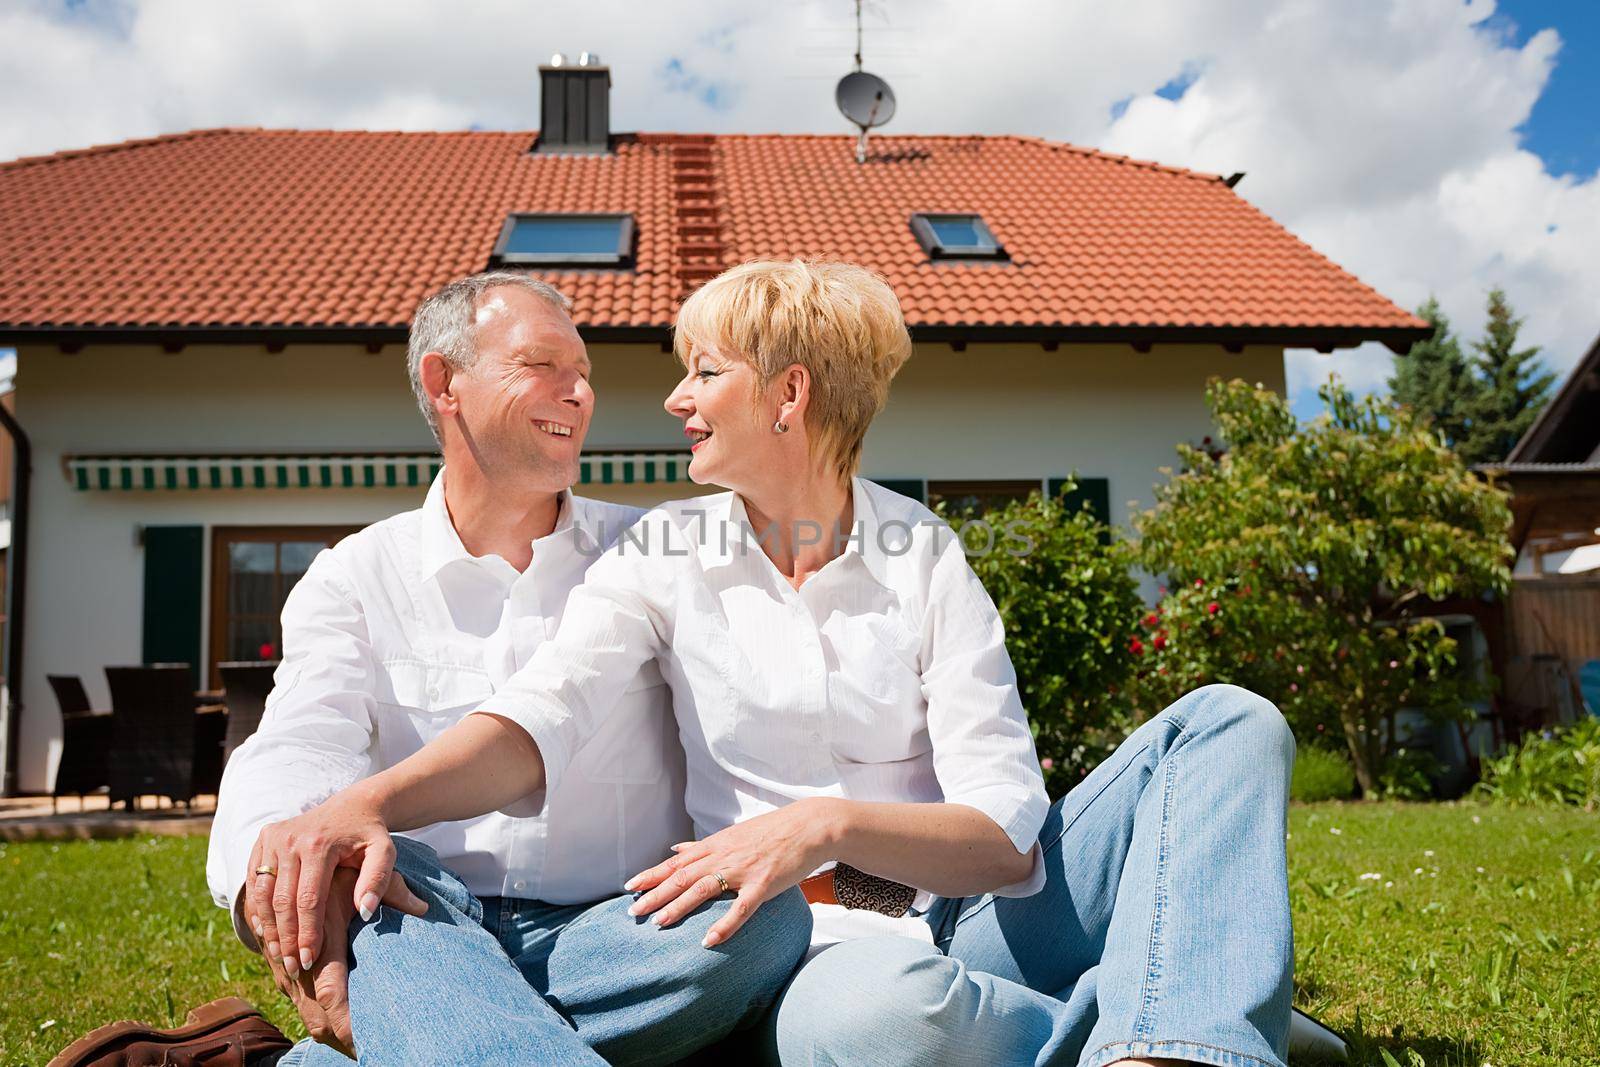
x=1066 y=592
x=1321 y=774
x=1563 y=768
x=1408 y=775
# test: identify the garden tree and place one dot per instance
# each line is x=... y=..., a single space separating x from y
x=1069 y=599
x=1435 y=379
x=1301 y=559
x=1513 y=388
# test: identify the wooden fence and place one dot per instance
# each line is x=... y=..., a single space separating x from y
x=1553 y=627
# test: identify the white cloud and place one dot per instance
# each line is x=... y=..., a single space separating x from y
x=1384 y=132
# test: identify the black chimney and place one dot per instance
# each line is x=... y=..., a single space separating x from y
x=574 y=105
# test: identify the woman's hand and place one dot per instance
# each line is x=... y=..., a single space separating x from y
x=292 y=867
x=758 y=859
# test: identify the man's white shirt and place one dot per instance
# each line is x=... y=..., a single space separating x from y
x=395 y=634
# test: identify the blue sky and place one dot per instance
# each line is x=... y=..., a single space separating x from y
x=1564 y=129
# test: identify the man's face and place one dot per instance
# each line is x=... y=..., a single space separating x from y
x=526 y=402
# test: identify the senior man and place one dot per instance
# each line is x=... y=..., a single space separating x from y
x=516 y=947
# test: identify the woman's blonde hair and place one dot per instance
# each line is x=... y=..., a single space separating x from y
x=840 y=321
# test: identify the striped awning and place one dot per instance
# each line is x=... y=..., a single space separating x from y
x=365 y=471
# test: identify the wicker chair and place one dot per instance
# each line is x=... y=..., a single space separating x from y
x=247 y=685
x=85 y=742
x=210 y=731
x=155 y=732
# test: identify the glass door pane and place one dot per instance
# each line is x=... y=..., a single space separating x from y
x=252 y=637
x=253 y=569
x=294 y=557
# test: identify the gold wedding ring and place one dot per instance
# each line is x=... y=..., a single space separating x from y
x=264 y=869
x=723 y=882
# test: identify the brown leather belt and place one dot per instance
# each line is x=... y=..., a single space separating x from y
x=819 y=889
x=849 y=887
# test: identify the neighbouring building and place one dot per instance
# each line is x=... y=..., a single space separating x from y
x=1550 y=632
x=210 y=331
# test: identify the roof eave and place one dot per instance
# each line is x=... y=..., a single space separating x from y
x=1322 y=338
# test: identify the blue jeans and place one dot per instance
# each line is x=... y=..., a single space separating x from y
x=505 y=981
x=1162 y=929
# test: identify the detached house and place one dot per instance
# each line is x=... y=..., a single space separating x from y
x=210 y=331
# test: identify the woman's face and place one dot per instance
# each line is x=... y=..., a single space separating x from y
x=730 y=434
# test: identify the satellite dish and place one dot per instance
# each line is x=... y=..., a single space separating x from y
x=865 y=99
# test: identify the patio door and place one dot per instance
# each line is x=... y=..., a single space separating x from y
x=252 y=570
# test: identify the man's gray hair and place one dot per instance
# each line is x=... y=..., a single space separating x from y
x=446 y=322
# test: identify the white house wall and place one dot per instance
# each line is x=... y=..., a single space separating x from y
x=991 y=411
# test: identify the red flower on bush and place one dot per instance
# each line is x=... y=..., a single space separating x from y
x=1136 y=646
x=1151 y=619
x=1159 y=643
x=1213 y=607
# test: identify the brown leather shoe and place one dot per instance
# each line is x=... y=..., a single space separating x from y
x=224 y=1033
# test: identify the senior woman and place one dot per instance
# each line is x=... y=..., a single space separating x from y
x=852 y=726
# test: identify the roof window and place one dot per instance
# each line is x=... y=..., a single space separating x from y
x=956 y=237
x=578 y=240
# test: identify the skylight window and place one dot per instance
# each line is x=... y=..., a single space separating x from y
x=956 y=237
x=579 y=240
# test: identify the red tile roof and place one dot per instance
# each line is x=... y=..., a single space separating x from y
x=331 y=231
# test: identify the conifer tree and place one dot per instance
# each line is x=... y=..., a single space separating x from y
x=1435 y=380
x=1513 y=387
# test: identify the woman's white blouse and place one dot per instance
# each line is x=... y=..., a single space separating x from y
x=883 y=678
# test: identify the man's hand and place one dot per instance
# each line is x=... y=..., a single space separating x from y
x=293 y=864
x=321 y=996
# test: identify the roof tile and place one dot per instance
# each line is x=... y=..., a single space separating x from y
x=284 y=227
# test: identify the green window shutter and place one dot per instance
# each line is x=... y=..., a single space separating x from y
x=1094 y=492
x=173 y=588
x=915 y=488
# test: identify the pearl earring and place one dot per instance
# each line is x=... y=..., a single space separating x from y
x=780 y=427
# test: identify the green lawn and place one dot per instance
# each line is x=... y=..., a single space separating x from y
x=1491 y=954
x=1474 y=937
